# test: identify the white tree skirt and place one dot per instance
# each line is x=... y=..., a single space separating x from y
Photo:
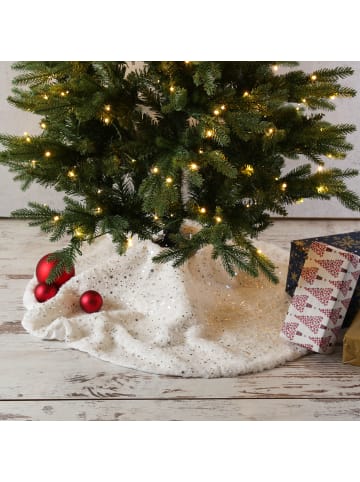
x=193 y=321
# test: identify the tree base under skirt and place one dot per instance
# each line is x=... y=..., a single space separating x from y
x=193 y=321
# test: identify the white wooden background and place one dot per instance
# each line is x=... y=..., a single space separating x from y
x=15 y=121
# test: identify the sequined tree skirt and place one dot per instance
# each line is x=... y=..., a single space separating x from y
x=193 y=321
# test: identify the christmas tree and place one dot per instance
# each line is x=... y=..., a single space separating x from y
x=139 y=152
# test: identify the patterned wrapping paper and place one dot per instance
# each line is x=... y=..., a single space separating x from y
x=298 y=252
x=322 y=297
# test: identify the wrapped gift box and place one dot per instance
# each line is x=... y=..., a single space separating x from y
x=351 y=343
x=322 y=297
x=299 y=248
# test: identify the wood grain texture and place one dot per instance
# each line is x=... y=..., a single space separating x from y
x=41 y=380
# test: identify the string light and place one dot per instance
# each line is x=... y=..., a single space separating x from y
x=322 y=189
x=47 y=154
x=129 y=242
x=329 y=156
x=300 y=200
x=202 y=210
x=216 y=112
x=218 y=219
x=71 y=174
x=56 y=218
x=156 y=218
x=172 y=89
x=45 y=97
x=155 y=170
x=320 y=168
x=107 y=120
x=259 y=251
x=332 y=97
x=187 y=62
x=223 y=107
x=246 y=94
x=275 y=68
x=99 y=191
x=28 y=139
x=209 y=133
x=169 y=180
x=43 y=125
x=98 y=210
x=270 y=131
x=303 y=101
x=63 y=94
x=26 y=134
x=79 y=233
x=133 y=160
x=248 y=170
x=313 y=77
x=107 y=108
x=201 y=151
x=283 y=186
x=33 y=163
x=193 y=166
x=247 y=205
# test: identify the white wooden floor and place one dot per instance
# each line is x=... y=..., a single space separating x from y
x=40 y=380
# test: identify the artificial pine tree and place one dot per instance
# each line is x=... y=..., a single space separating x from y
x=139 y=152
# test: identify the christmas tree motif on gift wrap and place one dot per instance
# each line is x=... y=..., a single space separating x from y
x=332 y=266
x=355 y=275
x=322 y=343
x=346 y=302
x=289 y=329
x=324 y=295
x=336 y=330
x=309 y=274
x=318 y=248
x=312 y=322
x=333 y=315
x=343 y=286
x=299 y=302
x=354 y=260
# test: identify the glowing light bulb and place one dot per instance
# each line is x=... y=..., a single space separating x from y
x=107 y=108
x=156 y=218
x=201 y=151
x=313 y=77
x=155 y=170
x=303 y=101
x=169 y=180
x=26 y=134
x=33 y=163
x=246 y=94
x=133 y=160
x=45 y=97
x=187 y=61
x=43 y=125
x=248 y=170
x=247 y=205
x=62 y=94
x=107 y=120
x=56 y=219
x=320 y=168
x=275 y=68
x=202 y=210
x=28 y=139
x=322 y=189
x=332 y=97
x=218 y=219
x=329 y=156
x=79 y=233
x=209 y=133
x=71 y=174
x=223 y=107
x=47 y=154
x=283 y=186
x=216 y=112
x=98 y=210
x=129 y=242
x=193 y=166
x=300 y=200
x=172 y=89
x=259 y=251
x=270 y=132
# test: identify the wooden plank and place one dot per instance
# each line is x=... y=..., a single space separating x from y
x=34 y=369
x=189 y=410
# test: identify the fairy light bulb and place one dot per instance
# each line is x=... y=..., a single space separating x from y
x=320 y=168
x=313 y=77
x=43 y=125
x=79 y=233
x=322 y=189
x=303 y=100
x=45 y=97
x=193 y=166
x=216 y=112
x=300 y=200
x=47 y=154
x=28 y=139
x=201 y=151
x=275 y=68
x=26 y=134
x=329 y=156
x=33 y=163
x=202 y=210
x=71 y=174
x=155 y=170
x=98 y=210
x=129 y=242
x=223 y=107
x=270 y=132
x=187 y=62
x=332 y=97
x=209 y=133
x=133 y=160
x=56 y=218
x=246 y=94
x=218 y=219
x=247 y=205
x=259 y=251
x=107 y=108
x=248 y=170
x=169 y=180
x=107 y=120
x=172 y=89
x=283 y=186
x=62 y=94
x=156 y=218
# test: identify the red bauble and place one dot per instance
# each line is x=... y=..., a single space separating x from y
x=44 y=292
x=91 y=301
x=44 y=268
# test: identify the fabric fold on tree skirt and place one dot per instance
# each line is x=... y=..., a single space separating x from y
x=193 y=321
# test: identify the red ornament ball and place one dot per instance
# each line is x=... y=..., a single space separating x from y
x=44 y=268
x=91 y=301
x=44 y=292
